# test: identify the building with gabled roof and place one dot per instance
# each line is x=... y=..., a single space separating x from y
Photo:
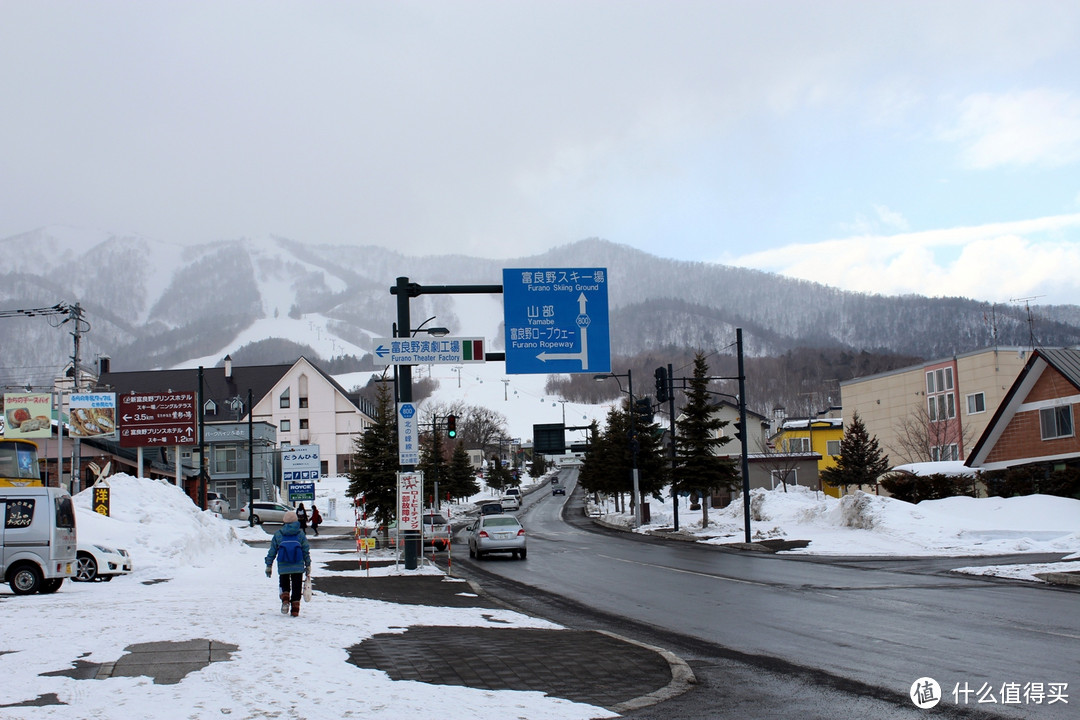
x=301 y=403
x=1035 y=424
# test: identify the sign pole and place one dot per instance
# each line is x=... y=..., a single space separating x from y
x=405 y=396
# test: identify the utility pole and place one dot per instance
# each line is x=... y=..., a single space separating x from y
x=744 y=434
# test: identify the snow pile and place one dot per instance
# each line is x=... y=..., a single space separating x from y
x=865 y=524
x=156 y=522
x=859 y=511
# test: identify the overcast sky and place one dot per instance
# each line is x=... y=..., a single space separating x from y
x=885 y=146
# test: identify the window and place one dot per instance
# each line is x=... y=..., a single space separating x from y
x=210 y=408
x=225 y=459
x=976 y=403
x=303 y=423
x=798 y=445
x=779 y=476
x=283 y=399
x=939 y=380
x=1056 y=422
x=832 y=447
x=945 y=452
x=285 y=426
x=303 y=402
x=940 y=399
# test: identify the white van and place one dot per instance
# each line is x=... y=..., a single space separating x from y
x=37 y=538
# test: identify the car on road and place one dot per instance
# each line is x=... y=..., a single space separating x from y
x=100 y=562
x=511 y=499
x=496 y=534
x=557 y=489
x=491 y=508
x=266 y=512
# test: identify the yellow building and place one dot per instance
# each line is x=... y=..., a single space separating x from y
x=820 y=436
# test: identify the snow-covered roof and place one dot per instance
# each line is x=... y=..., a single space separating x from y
x=944 y=467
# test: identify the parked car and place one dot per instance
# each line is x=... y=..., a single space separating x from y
x=511 y=499
x=99 y=562
x=266 y=512
x=491 y=508
x=435 y=531
x=496 y=534
x=217 y=503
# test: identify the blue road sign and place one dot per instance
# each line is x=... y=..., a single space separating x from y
x=556 y=320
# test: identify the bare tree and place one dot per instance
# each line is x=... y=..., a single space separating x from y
x=482 y=428
x=918 y=436
x=779 y=463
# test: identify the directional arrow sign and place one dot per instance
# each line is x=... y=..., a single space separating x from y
x=429 y=351
x=556 y=320
x=149 y=419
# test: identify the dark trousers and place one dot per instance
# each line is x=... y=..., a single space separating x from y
x=292 y=583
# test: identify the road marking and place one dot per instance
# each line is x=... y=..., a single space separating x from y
x=713 y=576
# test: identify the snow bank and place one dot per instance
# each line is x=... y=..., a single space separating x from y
x=155 y=522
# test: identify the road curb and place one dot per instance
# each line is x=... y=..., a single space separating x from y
x=682 y=677
x=1060 y=578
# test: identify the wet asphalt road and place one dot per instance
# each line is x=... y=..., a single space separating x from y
x=778 y=637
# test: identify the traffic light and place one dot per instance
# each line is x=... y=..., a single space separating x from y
x=643 y=409
x=451 y=426
x=661 y=384
x=738 y=430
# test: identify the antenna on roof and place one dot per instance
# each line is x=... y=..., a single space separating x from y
x=1030 y=317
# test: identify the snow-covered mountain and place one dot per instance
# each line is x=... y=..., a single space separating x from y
x=152 y=305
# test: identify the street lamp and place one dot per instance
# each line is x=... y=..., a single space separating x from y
x=633 y=436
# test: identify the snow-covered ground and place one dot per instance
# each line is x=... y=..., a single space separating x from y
x=195 y=577
x=864 y=524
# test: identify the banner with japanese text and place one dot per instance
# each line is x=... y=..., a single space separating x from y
x=27 y=415
x=410 y=500
x=92 y=415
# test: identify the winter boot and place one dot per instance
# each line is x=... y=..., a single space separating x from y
x=296 y=608
x=284 y=603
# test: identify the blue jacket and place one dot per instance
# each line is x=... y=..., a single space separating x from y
x=289 y=530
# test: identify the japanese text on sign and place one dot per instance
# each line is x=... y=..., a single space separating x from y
x=410 y=500
x=556 y=320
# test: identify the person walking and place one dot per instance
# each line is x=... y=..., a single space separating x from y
x=302 y=517
x=290 y=548
x=316 y=519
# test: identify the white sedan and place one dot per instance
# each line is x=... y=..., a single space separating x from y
x=99 y=562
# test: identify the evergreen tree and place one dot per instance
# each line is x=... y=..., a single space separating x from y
x=598 y=474
x=609 y=464
x=462 y=479
x=373 y=471
x=539 y=466
x=433 y=465
x=499 y=477
x=861 y=461
x=697 y=439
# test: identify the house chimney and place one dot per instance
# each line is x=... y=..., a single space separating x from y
x=228 y=367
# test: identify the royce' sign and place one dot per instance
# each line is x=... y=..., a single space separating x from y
x=157 y=419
